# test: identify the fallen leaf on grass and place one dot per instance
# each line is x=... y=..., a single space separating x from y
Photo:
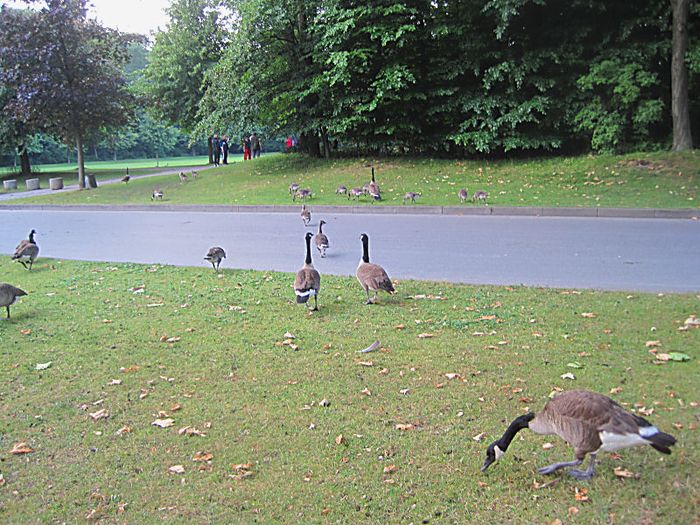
x=581 y=494
x=652 y=344
x=547 y=446
x=616 y=390
x=21 y=448
x=390 y=468
x=574 y=364
x=203 y=456
x=479 y=437
x=425 y=335
x=452 y=375
x=365 y=363
x=573 y=511
x=623 y=473
x=400 y=326
x=370 y=348
x=175 y=407
x=367 y=392
x=2 y=480
x=242 y=471
x=100 y=414
x=177 y=469
x=405 y=426
x=645 y=411
x=115 y=382
x=289 y=335
x=43 y=366
x=25 y=332
x=190 y=431
x=589 y=315
x=340 y=439
x=692 y=321
x=671 y=356
x=537 y=485
x=124 y=430
x=568 y=375
x=129 y=369
x=164 y=423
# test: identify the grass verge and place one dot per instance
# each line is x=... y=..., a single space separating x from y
x=229 y=375
x=643 y=180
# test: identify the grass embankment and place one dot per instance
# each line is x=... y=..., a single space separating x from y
x=103 y=170
x=644 y=180
x=258 y=401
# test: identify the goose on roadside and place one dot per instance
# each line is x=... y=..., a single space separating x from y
x=157 y=194
x=194 y=174
x=215 y=255
x=305 y=214
x=126 y=178
x=372 y=277
x=308 y=281
x=463 y=195
x=480 y=195
x=411 y=196
x=355 y=193
x=373 y=188
x=183 y=177
x=27 y=251
x=590 y=423
x=303 y=193
x=8 y=295
x=293 y=187
x=321 y=240
x=341 y=190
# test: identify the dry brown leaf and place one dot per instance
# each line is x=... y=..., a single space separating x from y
x=25 y=332
x=425 y=335
x=652 y=344
x=479 y=437
x=452 y=375
x=203 y=456
x=482 y=484
x=177 y=469
x=124 y=430
x=21 y=448
x=365 y=363
x=645 y=411
x=2 y=480
x=536 y=485
x=340 y=439
x=175 y=407
x=547 y=446
x=164 y=423
x=367 y=392
x=400 y=326
x=581 y=494
x=623 y=473
x=242 y=466
x=390 y=468
x=405 y=426
x=589 y=315
x=115 y=382
x=190 y=431
x=129 y=369
x=556 y=522
x=573 y=511
x=616 y=390
x=100 y=414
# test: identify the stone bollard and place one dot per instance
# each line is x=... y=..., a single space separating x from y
x=9 y=184
x=32 y=184
x=56 y=183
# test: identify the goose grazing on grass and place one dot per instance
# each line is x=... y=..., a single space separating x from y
x=355 y=193
x=308 y=281
x=305 y=214
x=27 y=251
x=157 y=194
x=194 y=174
x=410 y=196
x=480 y=195
x=373 y=188
x=371 y=276
x=215 y=255
x=341 y=190
x=590 y=423
x=304 y=193
x=293 y=187
x=321 y=240
x=126 y=178
x=463 y=195
x=183 y=177
x=8 y=295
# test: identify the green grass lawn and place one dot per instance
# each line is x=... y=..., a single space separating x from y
x=229 y=375
x=645 y=180
x=103 y=170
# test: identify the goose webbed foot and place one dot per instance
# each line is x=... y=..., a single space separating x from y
x=556 y=466
x=584 y=474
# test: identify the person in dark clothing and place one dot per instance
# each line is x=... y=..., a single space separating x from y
x=216 y=147
x=224 y=148
x=255 y=145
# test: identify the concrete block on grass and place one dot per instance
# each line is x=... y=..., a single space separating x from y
x=32 y=184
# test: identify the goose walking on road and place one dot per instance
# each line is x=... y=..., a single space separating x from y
x=305 y=214
x=321 y=240
x=308 y=281
x=371 y=277
x=590 y=423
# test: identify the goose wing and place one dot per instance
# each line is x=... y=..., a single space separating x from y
x=216 y=253
x=374 y=277
x=321 y=239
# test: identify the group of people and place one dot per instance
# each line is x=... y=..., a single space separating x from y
x=220 y=146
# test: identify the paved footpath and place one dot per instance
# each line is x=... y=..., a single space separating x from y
x=644 y=254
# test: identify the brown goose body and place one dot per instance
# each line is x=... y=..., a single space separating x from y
x=590 y=423
x=215 y=255
x=27 y=251
x=373 y=189
x=8 y=295
x=463 y=195
x=305 y=214
x=371 y=277
x=307 y=282
x=321 y=239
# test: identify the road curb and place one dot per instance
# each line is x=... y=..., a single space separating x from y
x=519 y=211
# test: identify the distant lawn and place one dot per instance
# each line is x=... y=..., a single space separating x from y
x=103 y=170
x=645 y=180
x=232 y=375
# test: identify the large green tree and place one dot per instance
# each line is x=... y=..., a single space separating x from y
x=66 y=71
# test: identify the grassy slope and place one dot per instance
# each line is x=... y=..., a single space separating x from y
x=671 y=180
x=260 y=399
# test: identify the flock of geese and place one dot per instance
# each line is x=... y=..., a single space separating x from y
x=590 y=422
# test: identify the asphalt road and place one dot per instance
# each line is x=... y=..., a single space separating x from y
x=660 y=255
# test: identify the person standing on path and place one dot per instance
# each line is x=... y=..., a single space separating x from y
x=255 y=144
x=224 y=148
x=216 y=146
x=245 y=142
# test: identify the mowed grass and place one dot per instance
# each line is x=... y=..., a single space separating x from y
x=103 y=170
x=258 y=401
x=642 y=180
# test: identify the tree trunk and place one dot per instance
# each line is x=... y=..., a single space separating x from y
x=211 y=150
x=326 y=143
x=24 y=161
x=680 y=110
x=81 y=162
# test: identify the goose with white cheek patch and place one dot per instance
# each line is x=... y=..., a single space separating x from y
x=308 y=281
x=590 y=423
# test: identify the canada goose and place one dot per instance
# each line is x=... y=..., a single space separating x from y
x=304 y=193
x=373 y=188
x=589 y=422
x=293 y=187
x=371 y=276
x=126 y=178
x=8 y=295
x=26 y=251
x=183 y=177
x=355 y=193
x=194 y=174
x=410 y=196
x=480 y=195
x=342 y=190
x=463 y=195
x=157 y=194
x=321 y=240
x=308 y=281
x=214 y=256
x=305 y=214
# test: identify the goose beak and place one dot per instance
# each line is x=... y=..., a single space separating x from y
x=487 y=463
